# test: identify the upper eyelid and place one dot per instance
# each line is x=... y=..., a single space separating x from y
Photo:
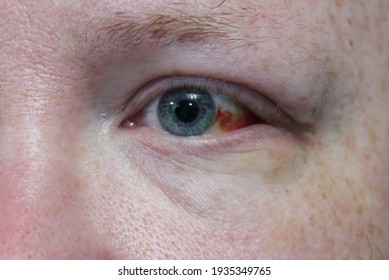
x=160 y=85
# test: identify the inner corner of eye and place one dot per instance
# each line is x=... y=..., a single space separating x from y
x=127 y=123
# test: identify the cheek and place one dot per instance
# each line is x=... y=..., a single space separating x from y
x=257 y=201
x=153 y=203
x=42 y=212
x=209 y=178
x=136 y=221
x=140 y=225
x=332 y=205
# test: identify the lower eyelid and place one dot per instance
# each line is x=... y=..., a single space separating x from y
x=239 y=141
x=260 y=150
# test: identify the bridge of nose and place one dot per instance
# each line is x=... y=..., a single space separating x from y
x=40 y=180
x=42 y=174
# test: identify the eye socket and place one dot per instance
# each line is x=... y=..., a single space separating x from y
x=192 y=106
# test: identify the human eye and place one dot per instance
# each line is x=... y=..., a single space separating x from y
x=195 y=106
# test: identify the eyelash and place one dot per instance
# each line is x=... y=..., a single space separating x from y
x=259 y=105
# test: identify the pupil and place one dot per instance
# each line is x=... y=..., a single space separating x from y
x=187 y=111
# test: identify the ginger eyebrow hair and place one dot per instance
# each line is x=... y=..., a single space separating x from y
x=178 y=27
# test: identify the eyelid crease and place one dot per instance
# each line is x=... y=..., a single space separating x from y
x=250 y=99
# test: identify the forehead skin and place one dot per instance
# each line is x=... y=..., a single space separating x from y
x=73 y=185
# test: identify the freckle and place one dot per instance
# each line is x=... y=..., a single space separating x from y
x=312 y=181
x=96 y=164
x=312 y=221
x=87 y=121
x=332 y=18
x=349 y=182
x=350 y=143
x=338 y=3
x=346 y=211
x=78 y=184
x=338 y=220
x=362 y=193
x=306 y=197
x=350 y=21
x=367 y=157
x=82 y=151
x=361 y=210
x=384 y=86
x=351 y=43
x=380 y=48
x=324 y=196
x=372 y=135
x=303 y=235
x=361 y=75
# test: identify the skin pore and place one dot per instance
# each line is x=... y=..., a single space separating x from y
x=78 y=182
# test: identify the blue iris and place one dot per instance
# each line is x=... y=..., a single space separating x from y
x=186 y=111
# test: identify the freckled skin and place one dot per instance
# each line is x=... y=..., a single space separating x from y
x=74 y=184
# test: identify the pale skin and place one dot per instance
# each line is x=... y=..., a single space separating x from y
x=77 y=182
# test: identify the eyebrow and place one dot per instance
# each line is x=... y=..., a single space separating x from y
x=182 y=27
